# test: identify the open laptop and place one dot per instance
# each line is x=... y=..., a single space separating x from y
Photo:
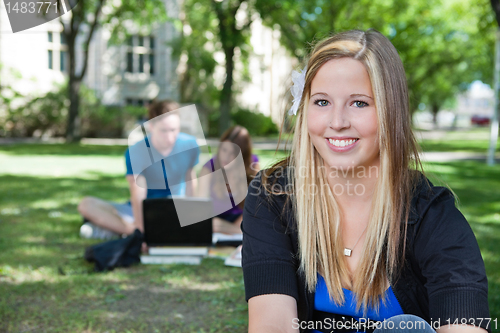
x=162 y=226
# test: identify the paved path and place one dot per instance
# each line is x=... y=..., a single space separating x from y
x=266 y=145
x=272 y=144
x=448 y=156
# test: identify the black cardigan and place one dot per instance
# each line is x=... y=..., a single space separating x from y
x=443 y=277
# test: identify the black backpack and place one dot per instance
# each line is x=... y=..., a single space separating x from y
x=115 y=253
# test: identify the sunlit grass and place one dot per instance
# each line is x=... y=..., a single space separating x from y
x=46 y=286
x=89 y=167
x=476 y=187
x=475 y=140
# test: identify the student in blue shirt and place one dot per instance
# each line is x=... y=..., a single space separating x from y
x=161 y=165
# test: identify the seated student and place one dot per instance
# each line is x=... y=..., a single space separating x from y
x=166 y=151
x=229 y=222
x=345 y=229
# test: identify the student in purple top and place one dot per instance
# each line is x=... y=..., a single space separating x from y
x=229 y=221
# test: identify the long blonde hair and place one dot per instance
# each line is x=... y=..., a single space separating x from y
x=318 y=216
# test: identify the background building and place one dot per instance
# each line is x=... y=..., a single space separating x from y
x=133 y=73
x=270 y=67
x=479 y=99
x=35 y=61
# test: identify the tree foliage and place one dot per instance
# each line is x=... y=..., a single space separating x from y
x=195 y=47
x=256 y=123
x=448 y=49
x=444 y=44
x=213 y=30
x=8 y=97
x=85 y=19
x=46 y=115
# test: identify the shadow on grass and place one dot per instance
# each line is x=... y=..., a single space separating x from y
x=476 y=186
x=177 y=299
x=455 y=145
x=63 y=149
x=39 y=221
x=26 y=191
x=46 y=286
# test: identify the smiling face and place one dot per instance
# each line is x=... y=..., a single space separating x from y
x=342 y=118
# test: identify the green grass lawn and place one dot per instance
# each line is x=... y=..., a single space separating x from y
x=475 y=146
x=476 y=186
x=474 y=140
x=46 y=286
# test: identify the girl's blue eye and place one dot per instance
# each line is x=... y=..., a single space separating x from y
x=321 y=102
x=360 y=104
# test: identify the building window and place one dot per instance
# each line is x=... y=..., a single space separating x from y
x=140 y=57
x=151 y=64
x=51 y=66
x=57 y=51
x=62 y=56
x=137 y=102
x=141 y=63
x=130 y=62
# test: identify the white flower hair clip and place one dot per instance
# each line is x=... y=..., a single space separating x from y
x=299 y=80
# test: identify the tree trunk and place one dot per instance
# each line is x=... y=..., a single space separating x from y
x=227 y=93
x=73 y=133
x=495 y=5
x=496 y=85
x=73 y=126
x=434 y=111
x=71 y=31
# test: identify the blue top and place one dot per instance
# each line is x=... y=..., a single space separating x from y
x=322 y=302
x=143 y=159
